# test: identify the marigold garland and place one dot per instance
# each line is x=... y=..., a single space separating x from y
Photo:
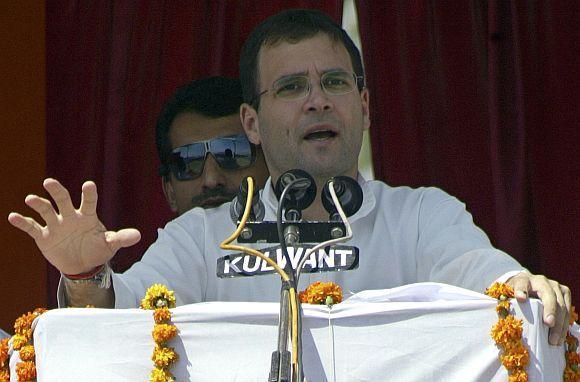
x=27 y=353
x=160 y=299
x=321 y=293
x=26 y=369
x=507 y=334
x=4 y=361
x=572 y=369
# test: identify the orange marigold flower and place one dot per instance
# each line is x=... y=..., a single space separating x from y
x=514 y=347
x=161 y=375
x=518 y=375
x=23 y=323
x=571 y=342
x=26 y=371
x=4 y=352
x=496 y=290
x=27 y=353
x=163 y=357
x=515 y=360
x=18 y=341
x=571 y=375
x=507 y=330
x=4 y=376
x=572 y=357
x=321 y=293
x=161 y=315
x=163 y=333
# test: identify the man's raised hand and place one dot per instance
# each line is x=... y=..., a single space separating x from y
x=73 y=240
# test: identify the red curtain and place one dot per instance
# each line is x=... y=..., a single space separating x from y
x=110 y=66
x=480 y=98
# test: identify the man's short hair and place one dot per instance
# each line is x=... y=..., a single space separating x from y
x=290 y=26
x=212 y=97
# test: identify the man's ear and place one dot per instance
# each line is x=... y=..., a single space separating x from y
x=250 y=123
x=169 y=194
x=364 y=94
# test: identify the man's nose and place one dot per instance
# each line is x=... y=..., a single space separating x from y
x=317 y=99
x=213 y=175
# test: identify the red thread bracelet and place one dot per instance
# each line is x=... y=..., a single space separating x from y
x=86 y=275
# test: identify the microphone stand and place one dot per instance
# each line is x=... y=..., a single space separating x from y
x=280 y=367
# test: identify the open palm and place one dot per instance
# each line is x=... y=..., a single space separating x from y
x=73 y=240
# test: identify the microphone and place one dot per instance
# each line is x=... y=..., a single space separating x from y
x=300 y=196
x=238 y=205
x=349 y=194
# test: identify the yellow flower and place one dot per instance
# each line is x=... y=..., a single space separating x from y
x=571 y=375
x=4 y=376
x=514 y=360
x=158 y=296
x=518 y=376
x=161 y=375
x=161 y=315
x=163 y=333
x=571 y=342
x=4 y=352
x=321 y=293
x=27 y=353
x=23 y=323
x=18 y=341
x=572 y=357
x=163 y=357
x=507 y=330
x=26 y=371
x=500 y=289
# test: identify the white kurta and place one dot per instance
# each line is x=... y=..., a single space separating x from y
x=404 y=236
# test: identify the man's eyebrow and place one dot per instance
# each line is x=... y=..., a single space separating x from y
x=287 y=76
x=305 y=73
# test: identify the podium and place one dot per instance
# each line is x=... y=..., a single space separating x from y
x=418 y=332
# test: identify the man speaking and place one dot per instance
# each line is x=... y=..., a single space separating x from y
x=307 y=105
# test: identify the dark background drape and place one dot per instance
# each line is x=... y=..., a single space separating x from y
x=480 y=98
x=110 y=66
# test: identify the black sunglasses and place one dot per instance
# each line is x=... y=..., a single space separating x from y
x=232 y=152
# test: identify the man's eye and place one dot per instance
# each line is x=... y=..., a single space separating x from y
x=291 y=88
x=337 y=83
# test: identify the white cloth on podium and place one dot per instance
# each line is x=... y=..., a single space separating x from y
x=404 y=236
x=419 y=332
x=3 y=334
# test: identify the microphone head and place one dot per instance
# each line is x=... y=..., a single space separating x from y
x=349 y=194
x=302 y=193
x=238 y=205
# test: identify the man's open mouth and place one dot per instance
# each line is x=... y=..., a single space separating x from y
x=320 y=135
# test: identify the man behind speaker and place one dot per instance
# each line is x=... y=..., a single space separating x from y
x=200 y=114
